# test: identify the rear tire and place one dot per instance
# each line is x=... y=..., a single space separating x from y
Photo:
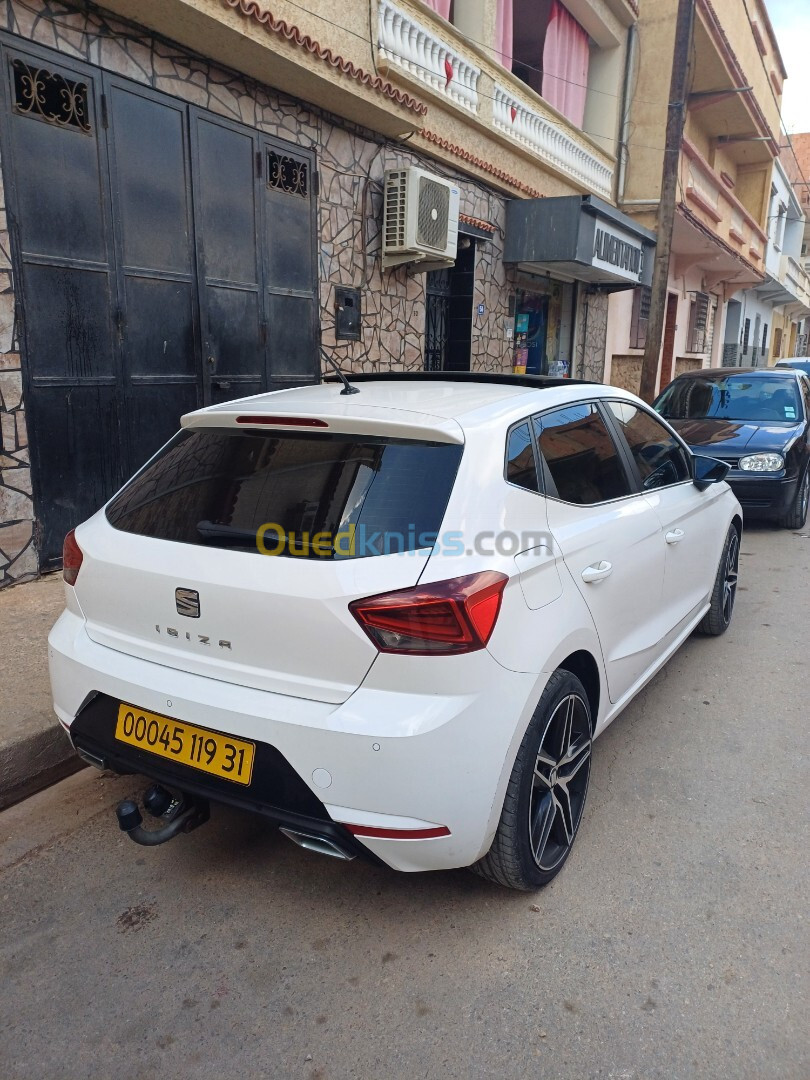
x=546 y=792
x=797 y=514
x=717 y=619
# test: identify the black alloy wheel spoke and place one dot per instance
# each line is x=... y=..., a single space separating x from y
x=542 y=820
x=565 y=812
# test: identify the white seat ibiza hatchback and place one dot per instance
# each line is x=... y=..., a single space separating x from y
x=391 y=621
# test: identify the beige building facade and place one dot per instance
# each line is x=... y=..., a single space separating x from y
x=193 y=201
x=730 y=140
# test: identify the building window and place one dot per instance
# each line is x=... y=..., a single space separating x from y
x=698 y=321
x=746 y=336
x=551 y=53
x=640 y=317
x=779 y=236
x=764 y=337
x=442 y=7
x=777 y=342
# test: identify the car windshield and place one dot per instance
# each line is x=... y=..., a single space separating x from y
x=735 y=397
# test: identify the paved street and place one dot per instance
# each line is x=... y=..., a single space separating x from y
x=674 y=944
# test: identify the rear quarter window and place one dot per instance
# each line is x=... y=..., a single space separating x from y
x=292 y=494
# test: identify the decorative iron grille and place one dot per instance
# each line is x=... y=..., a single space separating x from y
x=437 y=311
x=287 y=174
x=50 y=96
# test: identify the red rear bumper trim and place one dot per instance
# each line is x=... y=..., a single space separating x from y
x=397 y=834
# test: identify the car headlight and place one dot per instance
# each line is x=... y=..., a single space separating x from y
x=762 y=463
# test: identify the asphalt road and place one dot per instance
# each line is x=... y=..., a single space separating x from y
x=673 y=945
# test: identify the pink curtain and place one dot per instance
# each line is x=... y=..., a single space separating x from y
x=565 y=64
x=441 y=7
x=503 y=33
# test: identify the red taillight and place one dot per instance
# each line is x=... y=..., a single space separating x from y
x=71 y=558
x=445 y=617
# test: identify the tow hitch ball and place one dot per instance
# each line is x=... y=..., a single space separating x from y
x=180 y=813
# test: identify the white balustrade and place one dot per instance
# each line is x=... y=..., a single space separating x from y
x=418 y=50
x=543 y=135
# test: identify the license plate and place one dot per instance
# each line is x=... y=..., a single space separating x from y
x=199 y=748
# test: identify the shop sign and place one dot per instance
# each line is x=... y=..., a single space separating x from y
x=617 y=251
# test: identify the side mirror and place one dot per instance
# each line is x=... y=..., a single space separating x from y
x=707 y=470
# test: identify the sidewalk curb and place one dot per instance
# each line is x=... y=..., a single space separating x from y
x=34 y=762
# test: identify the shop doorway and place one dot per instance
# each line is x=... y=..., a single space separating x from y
x=543 y=329
x=449 y=312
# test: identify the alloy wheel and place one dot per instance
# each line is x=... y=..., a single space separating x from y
x=730 y=577
x=560 y=782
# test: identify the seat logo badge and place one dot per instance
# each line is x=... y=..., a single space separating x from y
x=187 y=602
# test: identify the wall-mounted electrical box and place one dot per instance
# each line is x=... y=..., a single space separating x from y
x=347 y=313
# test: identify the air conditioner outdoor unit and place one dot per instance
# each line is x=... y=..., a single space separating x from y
x=420 y=219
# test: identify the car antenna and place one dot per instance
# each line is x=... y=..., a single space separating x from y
x=347 y=386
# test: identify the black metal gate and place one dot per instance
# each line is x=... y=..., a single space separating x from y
x=448 y=312
x=165 y=259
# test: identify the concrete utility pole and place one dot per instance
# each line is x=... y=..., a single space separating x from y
x=666 y=208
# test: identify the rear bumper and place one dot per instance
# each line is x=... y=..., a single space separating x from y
x=768 y=497
x=390 y=758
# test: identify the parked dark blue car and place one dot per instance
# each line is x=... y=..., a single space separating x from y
x=757 y=420
x=798 y=363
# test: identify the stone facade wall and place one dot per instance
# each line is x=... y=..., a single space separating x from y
x=625 y=371
x=589 y=350
x=351 y=163
x=17 y=555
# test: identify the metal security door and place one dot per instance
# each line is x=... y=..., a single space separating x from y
x=289 y=183
x=437 y=310
x=165 y=259
x=156 y=276
x=54 y=141
x=234 y=331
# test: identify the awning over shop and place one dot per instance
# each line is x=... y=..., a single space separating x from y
x=579 y=237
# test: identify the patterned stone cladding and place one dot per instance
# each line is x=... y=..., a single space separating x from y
x=351 y=161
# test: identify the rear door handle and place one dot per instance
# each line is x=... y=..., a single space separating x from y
x=597 y=571
x=674 y=536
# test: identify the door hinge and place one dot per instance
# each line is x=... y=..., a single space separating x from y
x=105 y=120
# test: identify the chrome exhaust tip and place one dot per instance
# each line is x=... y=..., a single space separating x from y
x=91 y=759
x=317 y=843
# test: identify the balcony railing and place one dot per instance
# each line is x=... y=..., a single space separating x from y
x=795 y=279
x=413 y=46
x=793 y=272
x=542 y=134
x=417 y=49
x=717 y=208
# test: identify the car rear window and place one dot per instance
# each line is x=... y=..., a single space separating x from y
x=734 y=397
x=324 y=496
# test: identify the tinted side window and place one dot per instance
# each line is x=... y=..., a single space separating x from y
x=658 y=455
x=581 y=456
x=520 y=465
